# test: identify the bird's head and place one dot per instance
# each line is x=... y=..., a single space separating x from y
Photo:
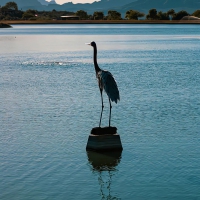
x=93 y=44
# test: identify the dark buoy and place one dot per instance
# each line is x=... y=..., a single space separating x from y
x=102 y=139
x=2 y=25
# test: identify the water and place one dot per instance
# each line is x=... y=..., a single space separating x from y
x=49 y=102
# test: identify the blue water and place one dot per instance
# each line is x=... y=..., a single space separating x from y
x=50 y=101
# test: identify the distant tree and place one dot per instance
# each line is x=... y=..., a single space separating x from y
x=180 y=15
x=162 y=16
x=3 y=10
x=11 y=5
x=49 y=15
x=1 y=16
x=133 y=14
x=113 y=15
x=82 y=14
x=90 y=17
x=10 y=11
x=29 y=14
x=98 y=15
x=196 y=13
x=152 y=14
x=7 y=17
x=171 y=13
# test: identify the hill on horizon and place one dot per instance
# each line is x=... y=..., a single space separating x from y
x=162 y=5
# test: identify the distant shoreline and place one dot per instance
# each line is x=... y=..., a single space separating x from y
x=12 y=22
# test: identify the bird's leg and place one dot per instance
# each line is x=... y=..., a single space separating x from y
x=110 y=112
x=101 y=107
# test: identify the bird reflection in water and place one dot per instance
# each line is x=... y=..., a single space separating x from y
x=104 y=164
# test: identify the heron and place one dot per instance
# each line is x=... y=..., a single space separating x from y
x=106 y=82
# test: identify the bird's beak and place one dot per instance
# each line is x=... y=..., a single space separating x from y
x=88 y=43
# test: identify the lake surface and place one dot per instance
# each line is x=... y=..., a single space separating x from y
x=50 y=101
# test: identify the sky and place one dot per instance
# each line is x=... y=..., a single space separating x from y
x=74 y=1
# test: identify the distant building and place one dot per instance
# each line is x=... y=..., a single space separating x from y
x=69 y=17
x=190 y=18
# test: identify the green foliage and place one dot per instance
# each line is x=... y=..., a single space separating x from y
x=171 y=13
x=7 y=17
x=163 y=16
x=10 y=11
x=180 y=15
x=11 y=5
x=133 y=14
x=82 y=14
x=46 y=15
x=29 y=14
x=152 y=14
x=113 y=15
x=90 y=17
x=98 y=15
x=196 y=13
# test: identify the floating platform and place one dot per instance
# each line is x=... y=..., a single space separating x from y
x=102 y=139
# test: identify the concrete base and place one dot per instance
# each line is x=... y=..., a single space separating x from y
x=102 y=142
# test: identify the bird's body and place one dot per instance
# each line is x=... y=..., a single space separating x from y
x=106 y=82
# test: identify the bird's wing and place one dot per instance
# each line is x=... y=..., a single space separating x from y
x=110 y=85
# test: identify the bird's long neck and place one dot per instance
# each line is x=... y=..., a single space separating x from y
x=97 y=69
